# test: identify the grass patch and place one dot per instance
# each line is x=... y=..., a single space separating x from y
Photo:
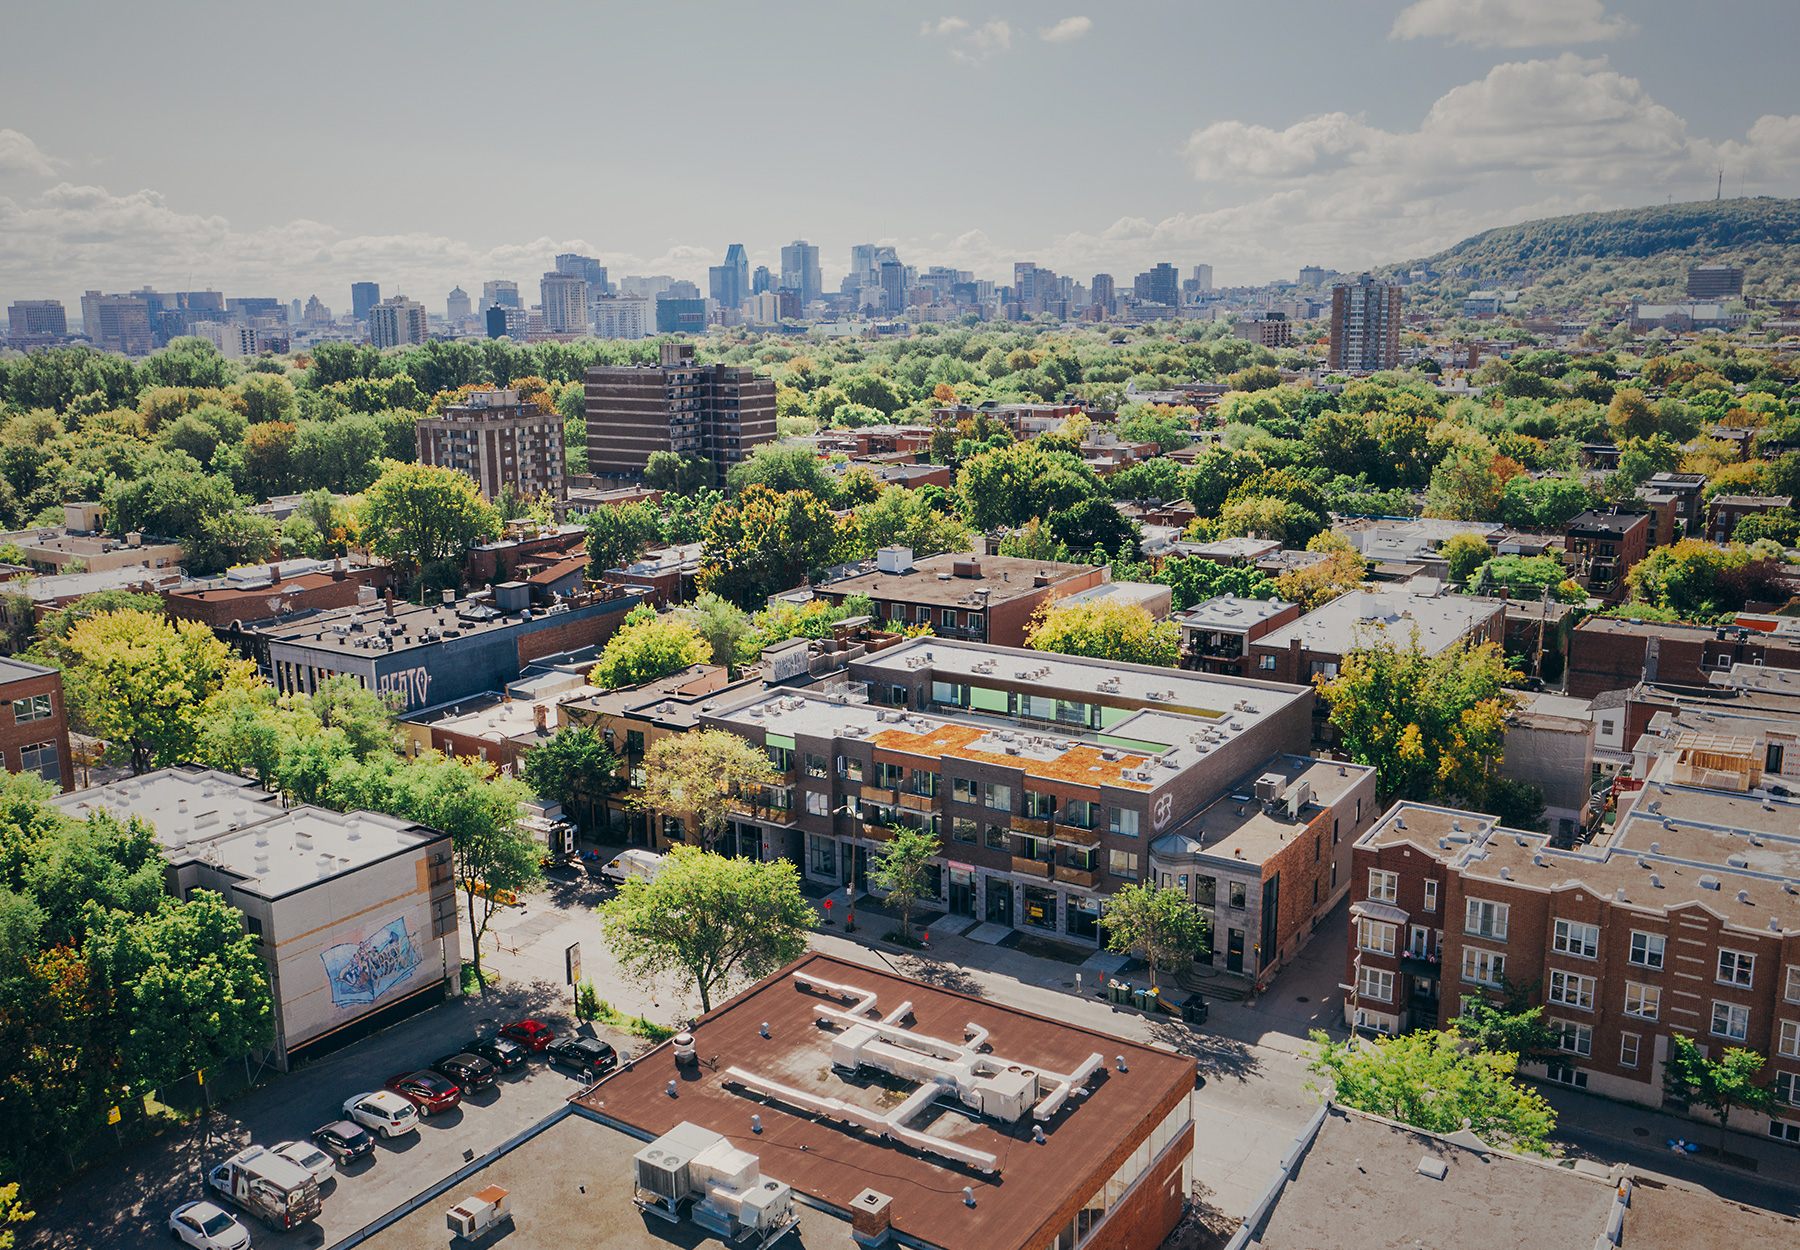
x=471 y=984
x=590 y=1006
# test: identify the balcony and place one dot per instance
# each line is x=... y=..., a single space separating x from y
x=1036 y=828
x=878 y=833
x=1077 y=835
x=1088 y=878
x=1031 y=867
x=922 y=802
x=875 y=794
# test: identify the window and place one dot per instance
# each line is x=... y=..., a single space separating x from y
x=923 y=782
x=1486 y=920
x=1789 y=1042
x=1431 y=889
x=1125 y=822
x=1643 y=1001
x=1730 y=1020
x=1235 y=893
x=1372 y=935
x=1124 y=864
x=1576 y=1039
x=1266 y=663
x=1582 y=940
x=950 y=618
x=780 y=758
x=1787 y=1088
x=1628 y=1050
x=1482 y=967
x=818 y=804
x=1647 y=949
x=1735 y=967
x=1564 y=1075
x=1419 y=945
x=1384 y=887
x=1206 y=890
x=889 y=776
x=963 y=829
x=1377 y=984
x=815 y=765
x=1606 y=728
x=1080 y=813
x=1036 y=805
x=996 y=796
x=962 y=789
x=41 y=758
x=998 y=839
x=824 y=855
x=37 y=707
x=850 y=768
x=1793 y=983
x=1572 y=990
x=1782 y=1130
x=253 y=927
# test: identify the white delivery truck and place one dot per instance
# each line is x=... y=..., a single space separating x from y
x=277 y=1191
x=634 y=862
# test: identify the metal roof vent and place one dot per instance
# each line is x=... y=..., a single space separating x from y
x=1709 y=883
x=1506 y=874
x=1456 y=826
x=262 y=861
x=1737 y=861
x=1743 y=896
x=1656 y=848
x=1656 y=881
x=1774 y=925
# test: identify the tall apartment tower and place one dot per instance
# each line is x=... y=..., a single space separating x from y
x=500 y=293
x=1203 y=277
x=117 y=323
x=800 y=271
x=1102 y=291
x=893 y=285
x=565 y=297
x=499 y=442
x=1365 y=325
x=457 y=306
x=716 y=411
x=397 y=322
x=364 y=296
x=1160 y=285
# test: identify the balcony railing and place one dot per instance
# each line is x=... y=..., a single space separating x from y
x=875 y=794
x=1036 y=828
x=1032 y=867
x=922 y=802
x=1077 y=835
x=878 y=833
x=1088 y=877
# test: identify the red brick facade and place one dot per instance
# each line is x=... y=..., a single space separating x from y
x=33 y=717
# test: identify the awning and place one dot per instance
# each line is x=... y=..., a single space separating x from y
x=1387 y=913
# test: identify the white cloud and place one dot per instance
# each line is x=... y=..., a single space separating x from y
x=19 y=155
x=1511 y=23
x=971 y=45
x=1070 y=28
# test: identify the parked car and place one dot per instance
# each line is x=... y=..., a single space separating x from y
x=383 y=1112
x=471 y=1073
x=308 y=1156
x=504 y=1053
x=427 y=1091
x=344 y=1141
x=207 y=1227
x=533 y=1035
x=589 y=1054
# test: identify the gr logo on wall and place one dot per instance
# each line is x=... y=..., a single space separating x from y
x=359 y=972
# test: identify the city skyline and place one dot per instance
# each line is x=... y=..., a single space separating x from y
x=1487 y=112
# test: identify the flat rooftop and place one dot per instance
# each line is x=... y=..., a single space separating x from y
x=832 y=1163
x=1360 y=1185
x=306 y=845
x=1442 y=621
x=1231 y=612
x=1003 y=578
x=411 y=627
x=1236 y=827
x=1607 y=522
x=677 y=701
x=19 y=670
x=1675 y=1216
x=203 y=802
x=1236 y=548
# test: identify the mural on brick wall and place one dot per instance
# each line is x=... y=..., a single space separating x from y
x=360 y=971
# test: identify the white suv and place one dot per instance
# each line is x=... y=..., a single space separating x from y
x=383 y=1112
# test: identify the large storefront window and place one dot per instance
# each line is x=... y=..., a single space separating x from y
x=822 y=855
x=1083 y=917
x=962 y=891
x=1040 y=908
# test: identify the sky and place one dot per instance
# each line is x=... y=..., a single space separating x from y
x=290 y=150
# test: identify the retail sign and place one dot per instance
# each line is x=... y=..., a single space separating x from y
x=572 y=961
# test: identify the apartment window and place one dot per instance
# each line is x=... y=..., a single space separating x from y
x=963 y=829
x=996 y=796
x=1266 y=663
x=1206 y=890
x=1124 y=864
x=998 y=839
x=41 y=758
x=1628 y=1050
x=1431 y=891
x=824 y=855
x=817 y=803
x=1037 y=805
x=1372 y=935
x=1606 y=728
x=1235 y=893
x=1793 y=983
x=950 y=618
x=1377 y=984
x=1787 y=1088
x=1735 y=967
x=850 y=768
x=924 y=783
x=1643 y=1001
x=1334 y=831
x=37 y=707
x=1581 y=940
x=1486 y=920
x=1125 y=822
x=1384 y=887
x=816 y=766
x=1730 y=1020
x=1789 y=1041
x=962 y=789
x=1562 y=1074
x=1576 y=1039
x=1482 y=967
x=780 y=758
x=1572 y=990
x=1080 y=813
x=1647 y=949
x=889 y=776
x=1419 y=945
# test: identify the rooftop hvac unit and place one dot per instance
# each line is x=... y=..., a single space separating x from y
x=1270 y=787
x=728 y=1194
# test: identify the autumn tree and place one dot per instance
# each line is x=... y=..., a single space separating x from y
x=615 y=535
x=701 y=777
x=1312 y=586
x=1464 y=553
x=762 y=542
x=419 y=514
x=1105 y=629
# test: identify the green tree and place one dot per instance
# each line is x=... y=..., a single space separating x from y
x=783 y=469
x=227 y=539
x=903 y=873
x=681 y=474
x=1723 y=1084
x=615 y=535
x=1465 y=553
x=701 y=777
x=1464 y=486
x=1431 y=725
x=419 y=514
x=574 y=762
x=1168 y=428
x=267 y=397
x=708 y=919
x=363 y=716
x=1517 y=805
x=1699 y=580
x=1432 y=1081
x=172 y=499
x=1011 y=486
x=1631 y=416
x=900 y=517
x=1513 y=1026
x=1160 y=926
x=723 y=626
x=762 y=542
x=646 y=647
x=1105 y=629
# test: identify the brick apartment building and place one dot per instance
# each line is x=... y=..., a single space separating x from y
x=1216 y=635
x=1365 y=325
x=1613 y=653
x=499 y=442
x=719 y=412
x=34 y=724
x=1600 y=547
x=1725 y=511
x=258 y=592
x=974 y=598
x=1682 y=919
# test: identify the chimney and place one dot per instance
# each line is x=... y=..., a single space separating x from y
x=390 y=603
x=542 y=715
x=337 y=569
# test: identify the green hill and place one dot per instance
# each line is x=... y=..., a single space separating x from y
x=1579 y=263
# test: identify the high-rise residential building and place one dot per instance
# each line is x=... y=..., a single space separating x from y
x=233 y=339
x=586 y=268
x=364 y=296
x=1365 y=325
x=1715 y=281
x=1312 y=275
x=762 y=280
x=514 y=323
x=893 y=285
x=622 y=317
x=730 y=282
x=1161 y=284
x=1203 y=277
x=397 y=322
x=500 y=293
x=36 y=319
x=1102 y=291
x=680 y=315
x=295 y=312
x=316 y=313
x=800 y=271
x=717 y=411
x=499 y=441
x=117 y=323
x=565 y=297
x=457 y=306
x=763 y=308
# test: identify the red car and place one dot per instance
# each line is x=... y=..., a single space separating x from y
x=427 y=1091
x=533 y=1035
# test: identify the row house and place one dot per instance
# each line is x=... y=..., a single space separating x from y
x=1216 y=634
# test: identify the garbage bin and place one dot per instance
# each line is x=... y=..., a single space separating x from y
x=1193 y=1010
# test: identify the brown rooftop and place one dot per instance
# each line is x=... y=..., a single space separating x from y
x=1682 y=1217
x=1081 y=764
x=1021 y=1205
x=1003 y=577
